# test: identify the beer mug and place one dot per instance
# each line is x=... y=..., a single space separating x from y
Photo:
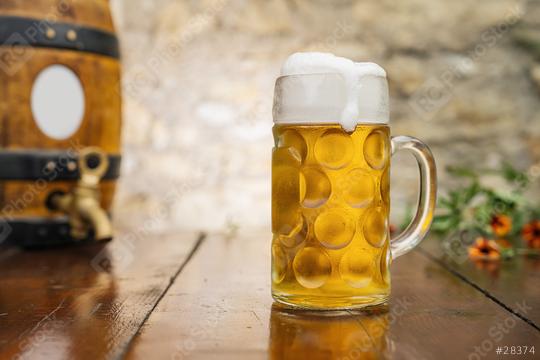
x=331 y=247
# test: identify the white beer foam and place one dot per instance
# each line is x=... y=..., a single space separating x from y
x=317 y=88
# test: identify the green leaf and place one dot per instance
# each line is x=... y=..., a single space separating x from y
x=507 y=253
x=463 y=172
x=512 y=175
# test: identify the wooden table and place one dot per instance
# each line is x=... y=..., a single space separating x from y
x=186 y=296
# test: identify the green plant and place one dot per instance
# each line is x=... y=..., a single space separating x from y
x=488 y=213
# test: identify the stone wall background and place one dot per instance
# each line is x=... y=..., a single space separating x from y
x=198 y=86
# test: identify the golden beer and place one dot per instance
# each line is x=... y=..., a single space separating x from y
x=330 y=204
x=330 y=184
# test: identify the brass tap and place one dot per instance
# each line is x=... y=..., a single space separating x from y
x=82 y=204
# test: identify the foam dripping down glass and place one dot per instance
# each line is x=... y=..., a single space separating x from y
x=331 y=247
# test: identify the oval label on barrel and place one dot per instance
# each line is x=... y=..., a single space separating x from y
x=58 y=102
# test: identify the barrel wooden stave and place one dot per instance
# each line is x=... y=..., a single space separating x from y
x=25 y=199
x=101 y=125
x=100 y=78
x=95 y=13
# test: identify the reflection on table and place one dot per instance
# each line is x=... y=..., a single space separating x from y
x=328 y=335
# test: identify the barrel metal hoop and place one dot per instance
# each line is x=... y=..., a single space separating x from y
x=30 y=32
x=48 y=165
x=38 y=232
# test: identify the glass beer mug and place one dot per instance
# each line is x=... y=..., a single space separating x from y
x=331 y=182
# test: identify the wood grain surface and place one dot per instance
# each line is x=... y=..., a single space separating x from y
x=220 y=307
x=178 y=296
x=84 y=302
x=507 y=282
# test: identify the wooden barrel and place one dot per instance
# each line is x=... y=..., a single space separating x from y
x=59 y=93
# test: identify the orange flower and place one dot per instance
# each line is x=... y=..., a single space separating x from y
x=531 y=234
x=501 y=224
x=485 y=250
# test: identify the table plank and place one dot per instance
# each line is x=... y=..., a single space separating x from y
x=220 y=307
x=508 y=282
x=85 y=302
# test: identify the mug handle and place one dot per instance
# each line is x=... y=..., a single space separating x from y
x=419 y=226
